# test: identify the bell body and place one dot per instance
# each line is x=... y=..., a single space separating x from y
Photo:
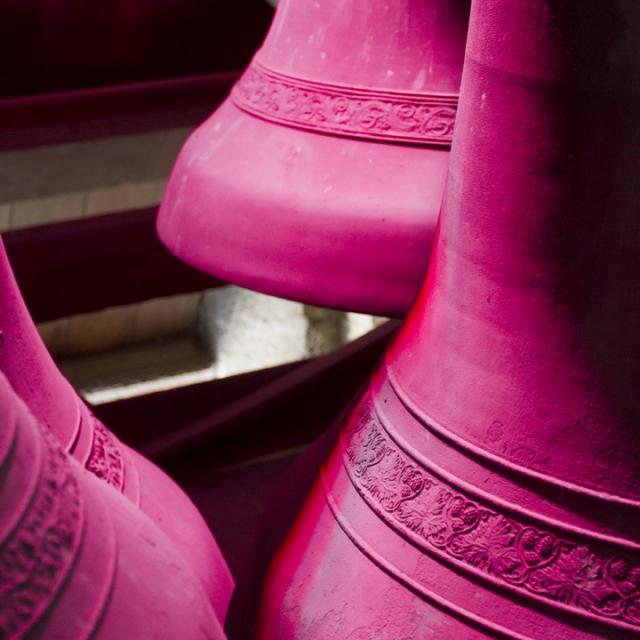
x=49 y=396
x=488 y=483
x=78 y=559
x=320 y=178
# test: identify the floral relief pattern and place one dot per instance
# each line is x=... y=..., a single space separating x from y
x=415 y=118
x=35 y=558
x=105 y=459
x=586 y=578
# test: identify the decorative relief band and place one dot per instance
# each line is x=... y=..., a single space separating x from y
x=105 y=459
x=415 y=585
x=37 y=556
x=581 y=577
x=380 y=115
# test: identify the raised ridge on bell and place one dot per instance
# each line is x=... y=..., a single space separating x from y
x=78 y=559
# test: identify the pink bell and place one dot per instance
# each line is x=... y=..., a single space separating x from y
x=320 y=178
x=77 y=560
x=35 y=378
x=487 y=485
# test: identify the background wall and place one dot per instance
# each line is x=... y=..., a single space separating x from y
x=166 y=341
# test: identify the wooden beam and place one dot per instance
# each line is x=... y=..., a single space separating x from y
x=317 y=389
x=88 y=264
x=143 y=419
x=71 y=116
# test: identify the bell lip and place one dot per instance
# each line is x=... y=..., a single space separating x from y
x=295 y=292
x=385 y=285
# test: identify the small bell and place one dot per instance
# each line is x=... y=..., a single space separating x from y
x=38 y=382
x=320 y=178
x=487 y=485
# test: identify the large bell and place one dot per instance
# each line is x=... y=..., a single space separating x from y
x=320 y=178
x=487 y=485
x=77 y=559
x=36 y=379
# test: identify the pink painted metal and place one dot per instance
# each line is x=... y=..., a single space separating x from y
x=79 y=560
x=320 y=178
x=487 y=485
x=36 y=379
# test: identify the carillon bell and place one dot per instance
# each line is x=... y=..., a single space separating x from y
x=29 y=368
x=487 y=485
x=320 y=178
x=79 y=560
